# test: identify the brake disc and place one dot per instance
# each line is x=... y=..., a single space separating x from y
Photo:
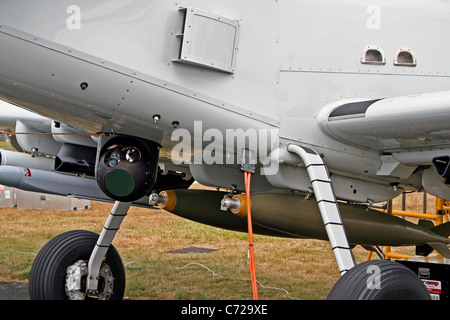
x=75 y=285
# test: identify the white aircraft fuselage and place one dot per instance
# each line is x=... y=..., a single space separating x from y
x=117 y=66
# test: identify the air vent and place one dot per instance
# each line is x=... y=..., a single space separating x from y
x=206 y=40
x=442 y=166
x=373 y=55
x=405 y=57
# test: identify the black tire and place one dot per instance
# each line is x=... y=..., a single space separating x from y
x=48 y=272
x=379 y=280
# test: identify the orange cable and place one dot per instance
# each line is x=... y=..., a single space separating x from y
x=247 y=176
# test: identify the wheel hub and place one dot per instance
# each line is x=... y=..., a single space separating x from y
x=75 y=285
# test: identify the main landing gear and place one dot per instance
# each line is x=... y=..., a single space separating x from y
x=371 y=280
x=379 y=280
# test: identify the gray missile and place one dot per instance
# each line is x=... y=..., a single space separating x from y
x=20 y=159
x=58 y=163
x=296 y=216
x=52 y=182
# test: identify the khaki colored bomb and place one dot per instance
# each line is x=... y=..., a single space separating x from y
x=287 y=215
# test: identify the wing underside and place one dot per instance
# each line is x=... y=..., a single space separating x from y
x=410 y=133
x=394 y=124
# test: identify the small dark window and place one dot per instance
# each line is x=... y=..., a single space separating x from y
x=373 y=55
x=405 y=57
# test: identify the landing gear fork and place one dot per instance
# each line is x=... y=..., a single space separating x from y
x=112 y=225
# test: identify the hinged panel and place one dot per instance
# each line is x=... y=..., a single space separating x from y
x=207 y=40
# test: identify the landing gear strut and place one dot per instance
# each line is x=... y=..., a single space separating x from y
x=328 y=206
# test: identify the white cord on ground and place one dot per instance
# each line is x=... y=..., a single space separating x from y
x=25 y=252
x=199 y=264
x=129 y=265
x=218 y=275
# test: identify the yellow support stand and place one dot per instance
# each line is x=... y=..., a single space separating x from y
x=391 y=255
x=442 y=215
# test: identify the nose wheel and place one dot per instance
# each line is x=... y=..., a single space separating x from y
x=60 y=269
x=80 y=264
